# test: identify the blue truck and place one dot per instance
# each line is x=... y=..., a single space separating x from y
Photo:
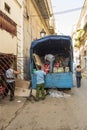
x=57 y=45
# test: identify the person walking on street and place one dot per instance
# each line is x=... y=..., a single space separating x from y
x=10 y=80
x=78 y=76
x=50 y=58
x=40 y=77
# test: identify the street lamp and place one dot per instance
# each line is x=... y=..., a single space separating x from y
x=42 y=33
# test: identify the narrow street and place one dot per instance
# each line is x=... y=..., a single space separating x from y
x=38 y=36
x=66 y=113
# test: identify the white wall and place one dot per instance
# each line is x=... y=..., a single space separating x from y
x=15 y=15
x=8 y=44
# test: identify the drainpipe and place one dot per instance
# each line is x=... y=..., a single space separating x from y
x=20 y=57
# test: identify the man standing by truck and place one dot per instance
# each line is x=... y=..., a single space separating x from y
x=40 y=79
x=10 y=80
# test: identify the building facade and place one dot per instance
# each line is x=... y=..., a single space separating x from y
x=38 y=15
x=11 y=28
x=81 y=37
x=21 y=22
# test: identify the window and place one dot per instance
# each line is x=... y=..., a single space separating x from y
x=7 y=8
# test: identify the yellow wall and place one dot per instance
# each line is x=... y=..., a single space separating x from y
x=32 y=26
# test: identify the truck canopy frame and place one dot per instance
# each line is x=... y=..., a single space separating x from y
x=52 y=45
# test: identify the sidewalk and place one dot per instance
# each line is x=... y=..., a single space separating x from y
x=22 y=88
x=9 y=110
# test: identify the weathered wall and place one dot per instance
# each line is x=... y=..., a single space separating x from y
x=11 y=42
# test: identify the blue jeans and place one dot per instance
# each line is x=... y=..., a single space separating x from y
x=78 y=79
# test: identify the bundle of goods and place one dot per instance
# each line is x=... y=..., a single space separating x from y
x=55 y=69
x=66 y=69
x=46 y=68
x=56 y=65
x=37 y=60
x=60 y=69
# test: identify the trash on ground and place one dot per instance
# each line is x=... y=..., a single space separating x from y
x=19 y=101
x=56 y=93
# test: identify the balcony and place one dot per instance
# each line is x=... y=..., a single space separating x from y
x=7 y=24
x=81 y=37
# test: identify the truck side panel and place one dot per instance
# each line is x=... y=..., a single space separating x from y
x=57 y=80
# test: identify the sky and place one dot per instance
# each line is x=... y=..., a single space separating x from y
x=66 y=21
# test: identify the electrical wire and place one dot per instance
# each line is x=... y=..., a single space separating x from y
x=63 y=12
x=68 y=11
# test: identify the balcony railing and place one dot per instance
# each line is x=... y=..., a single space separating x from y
x=7 y=24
